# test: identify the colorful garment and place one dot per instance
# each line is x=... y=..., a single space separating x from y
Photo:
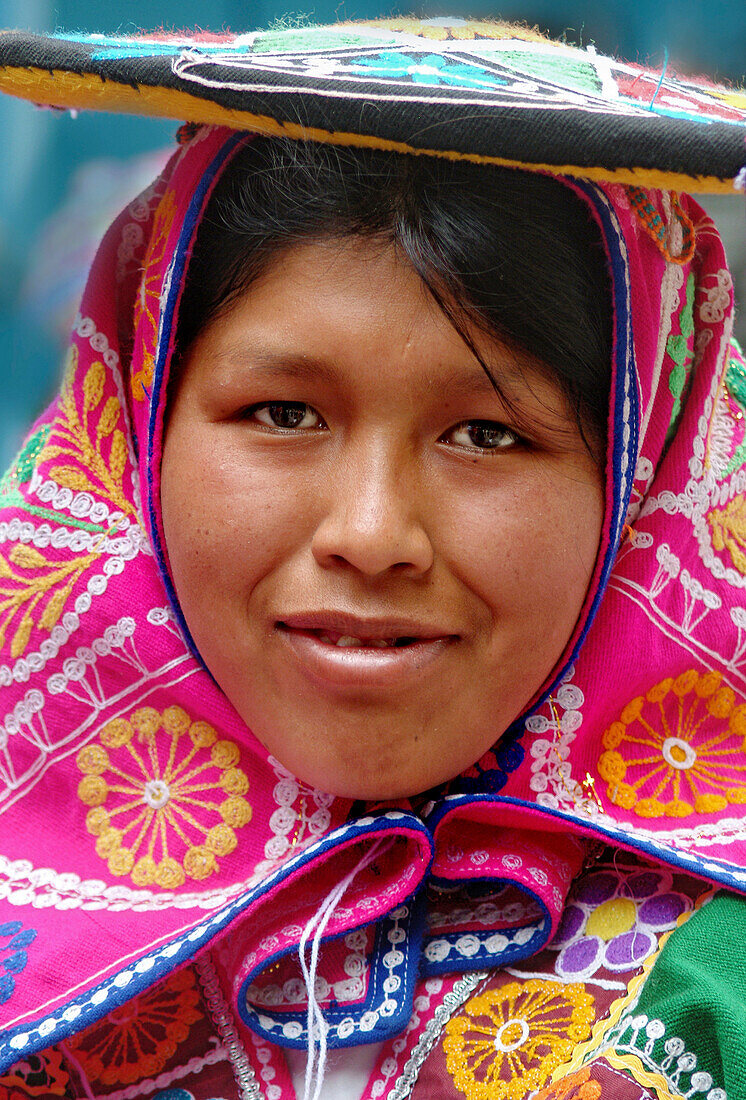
x=151 y=848
x=581 y=1019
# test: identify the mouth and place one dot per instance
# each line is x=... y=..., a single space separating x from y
x=350 y=641
x=348 y=651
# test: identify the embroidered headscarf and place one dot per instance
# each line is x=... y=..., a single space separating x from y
x=142 y=822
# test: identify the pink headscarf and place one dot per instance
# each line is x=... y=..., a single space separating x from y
x=141 y=820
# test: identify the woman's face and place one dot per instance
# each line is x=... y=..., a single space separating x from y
x=379 y=560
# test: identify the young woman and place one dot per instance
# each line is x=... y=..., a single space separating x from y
x=381 y=557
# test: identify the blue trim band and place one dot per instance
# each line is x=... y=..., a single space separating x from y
x=387 y=1005
x=174 y=281
x=116 y=990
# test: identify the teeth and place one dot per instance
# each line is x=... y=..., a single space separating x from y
x=346 y=641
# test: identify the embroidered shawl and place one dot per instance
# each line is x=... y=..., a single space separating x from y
x=142 y=821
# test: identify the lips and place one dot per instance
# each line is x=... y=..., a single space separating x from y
x=339 y=624
x=335 y=648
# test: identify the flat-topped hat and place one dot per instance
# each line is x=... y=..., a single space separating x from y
x=447 y=87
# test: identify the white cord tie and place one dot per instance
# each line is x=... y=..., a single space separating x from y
x=316 y=1024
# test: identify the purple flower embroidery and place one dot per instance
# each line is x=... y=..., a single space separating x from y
x=613 y=920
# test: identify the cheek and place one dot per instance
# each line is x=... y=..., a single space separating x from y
x=529 y=553
x=227 y=524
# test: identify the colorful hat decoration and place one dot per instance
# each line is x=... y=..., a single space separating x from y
x=491 y=93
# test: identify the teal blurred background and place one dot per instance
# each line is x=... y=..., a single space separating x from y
x=63 y=178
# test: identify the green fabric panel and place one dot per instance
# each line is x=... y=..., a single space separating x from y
x=735 y=379
x=698 y=989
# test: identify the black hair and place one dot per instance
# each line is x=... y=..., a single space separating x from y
x=515 y=255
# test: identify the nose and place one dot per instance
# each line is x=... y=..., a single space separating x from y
x=372 y=520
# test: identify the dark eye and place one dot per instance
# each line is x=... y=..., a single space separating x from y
x=481 y=435
x=286 y=415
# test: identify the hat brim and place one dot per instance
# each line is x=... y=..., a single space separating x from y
x=527 y=104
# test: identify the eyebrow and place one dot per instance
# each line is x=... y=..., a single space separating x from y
x=456 y=382
x=274 y=364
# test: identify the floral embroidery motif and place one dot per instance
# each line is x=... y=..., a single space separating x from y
x=28 y=577
x=100 y=452
x=41 y=1075
x=159 y=784
x=678 y=749
x=729 y=530
x=680 y=350
x=14 y=940
x=658 y=230
x=723 y=434
x=640 y=1043
x=575 y=1087
x=137 y=1040
x=35 y=587
x=23 y=466
x=507 y=1041
x=491 y=771
x=148 y=301
x=614 y=921
x=291 y=827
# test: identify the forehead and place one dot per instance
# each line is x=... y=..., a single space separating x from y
x=353 y=310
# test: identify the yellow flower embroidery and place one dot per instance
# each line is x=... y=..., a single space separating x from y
x=147 y=303
x=87 y=441
x=507 y=1041
x=678 y=749
x=137 y=1040
x=729 y=531
x=166 y=796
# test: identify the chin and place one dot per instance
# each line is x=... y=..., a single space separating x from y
x=360 y=760
x=387 y=783
x=376 y=790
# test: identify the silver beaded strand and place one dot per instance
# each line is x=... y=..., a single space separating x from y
x=248 y=1086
